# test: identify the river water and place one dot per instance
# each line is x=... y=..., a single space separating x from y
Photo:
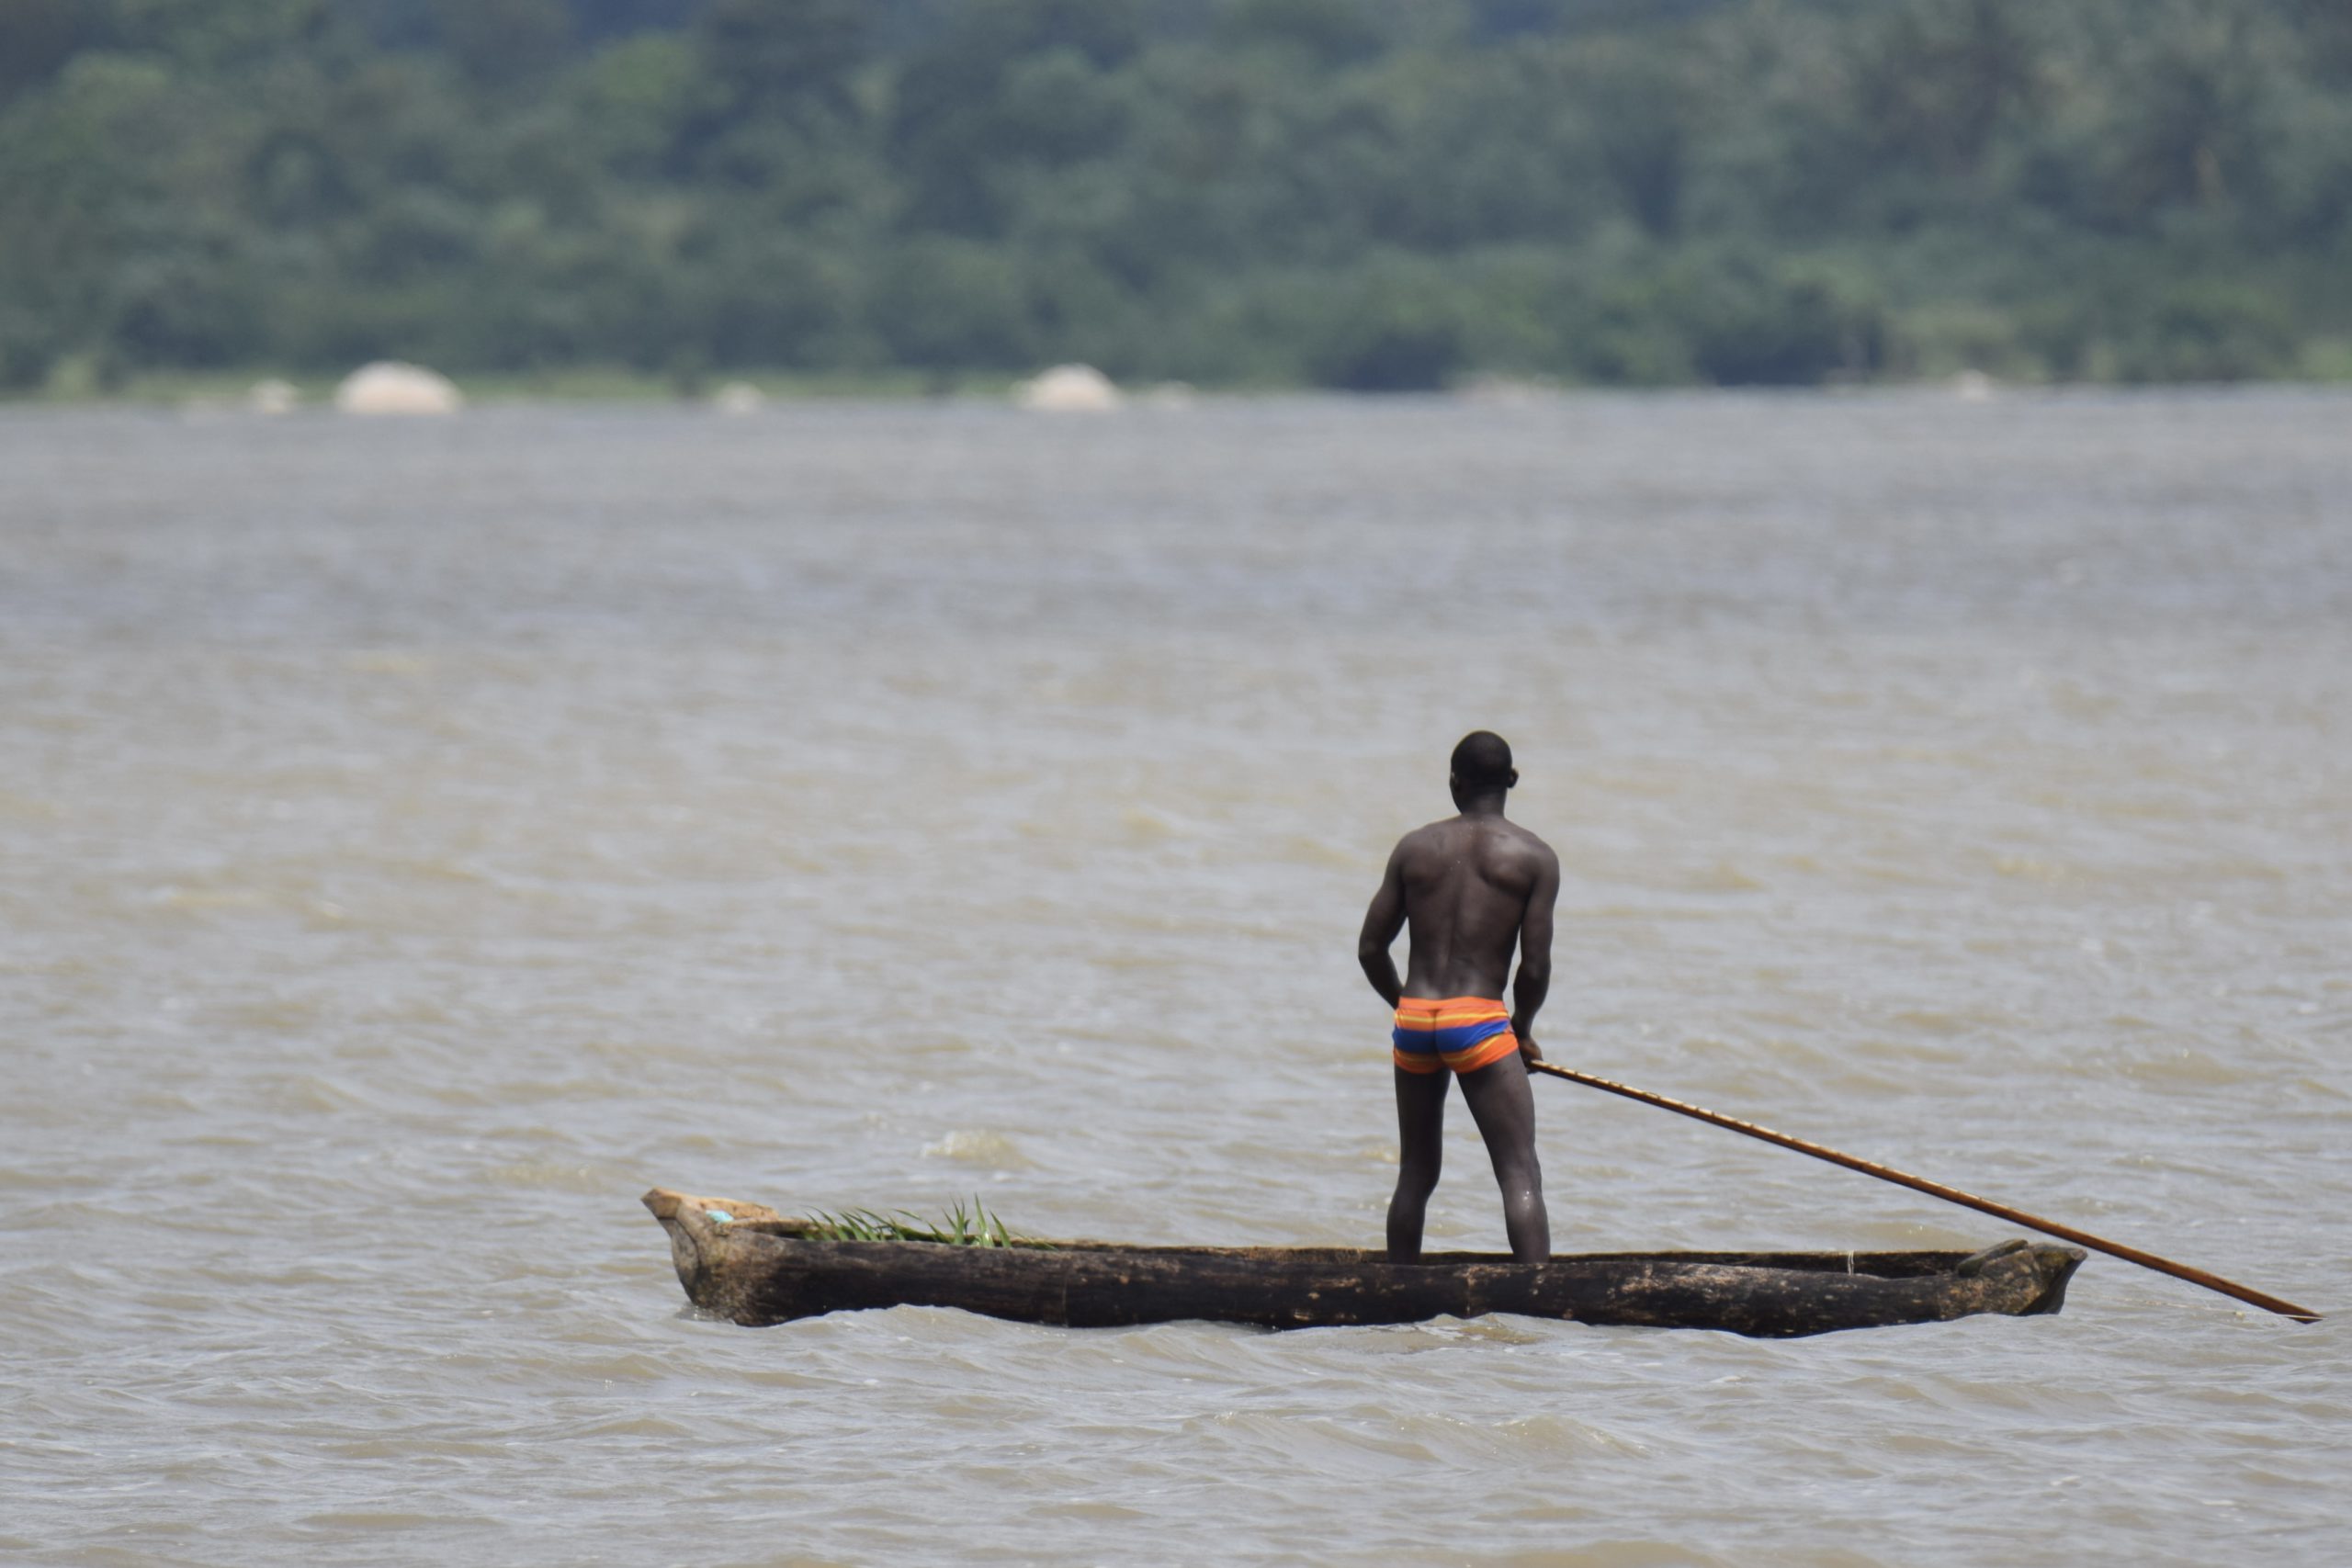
x=422 y=838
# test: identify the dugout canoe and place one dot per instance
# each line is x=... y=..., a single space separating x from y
x=755 y=1266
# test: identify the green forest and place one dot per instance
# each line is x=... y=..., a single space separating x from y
x=1376 y=195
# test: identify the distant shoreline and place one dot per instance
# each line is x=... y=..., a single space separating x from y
x=231 y=390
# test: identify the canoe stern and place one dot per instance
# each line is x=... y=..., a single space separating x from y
x=2053 y=1267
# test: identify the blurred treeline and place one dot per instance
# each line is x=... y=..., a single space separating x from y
x=1358 y=193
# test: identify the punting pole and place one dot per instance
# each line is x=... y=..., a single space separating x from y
x=1938 y=1190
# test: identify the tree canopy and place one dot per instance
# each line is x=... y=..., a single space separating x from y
x=1371 y=194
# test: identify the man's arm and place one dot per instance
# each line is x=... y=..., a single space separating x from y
x=1380 y=924
x=1535 y=980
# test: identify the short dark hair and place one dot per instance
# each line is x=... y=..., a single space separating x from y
x=1482 y=761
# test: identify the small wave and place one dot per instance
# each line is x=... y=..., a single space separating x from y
x=369 y=1523
x=990 y=1151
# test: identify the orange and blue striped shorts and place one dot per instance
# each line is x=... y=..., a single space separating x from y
x=1461 y=1033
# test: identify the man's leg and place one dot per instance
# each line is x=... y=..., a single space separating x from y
x=1503 y=1105
x=1420 y=1141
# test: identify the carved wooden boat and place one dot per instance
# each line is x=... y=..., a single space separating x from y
x=754 y=1266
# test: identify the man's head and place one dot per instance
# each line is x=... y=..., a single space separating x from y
x=1481 y=766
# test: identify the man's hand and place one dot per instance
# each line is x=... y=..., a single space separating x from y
x=1529 y=1052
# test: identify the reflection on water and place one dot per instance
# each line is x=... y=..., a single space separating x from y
x=423 y=839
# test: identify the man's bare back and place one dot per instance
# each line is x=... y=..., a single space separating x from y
x=1472 y=888
x=1469 y=885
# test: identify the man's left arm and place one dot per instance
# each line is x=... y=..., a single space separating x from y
x=1533 y=982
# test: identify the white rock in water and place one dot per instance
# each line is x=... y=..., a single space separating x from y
x=1972 y=387
x=738 y=397
x=273 y=397
x=1068 y=389
x=390 y=387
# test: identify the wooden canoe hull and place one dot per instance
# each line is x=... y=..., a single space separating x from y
x=755 y=1267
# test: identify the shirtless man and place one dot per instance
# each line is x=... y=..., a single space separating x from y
x=1471 y=886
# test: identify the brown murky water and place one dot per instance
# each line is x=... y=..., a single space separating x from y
x=423 y=838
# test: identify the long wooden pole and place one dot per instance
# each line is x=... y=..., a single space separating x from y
x=1952 y=1194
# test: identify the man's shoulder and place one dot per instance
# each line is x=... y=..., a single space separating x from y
x=1429 y=845
x=1526 y=844
x=1536 y=844
x=1420 y=840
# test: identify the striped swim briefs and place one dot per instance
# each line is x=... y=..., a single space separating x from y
x=1461 y=1033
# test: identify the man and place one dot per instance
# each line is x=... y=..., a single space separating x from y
x=1471 y=887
